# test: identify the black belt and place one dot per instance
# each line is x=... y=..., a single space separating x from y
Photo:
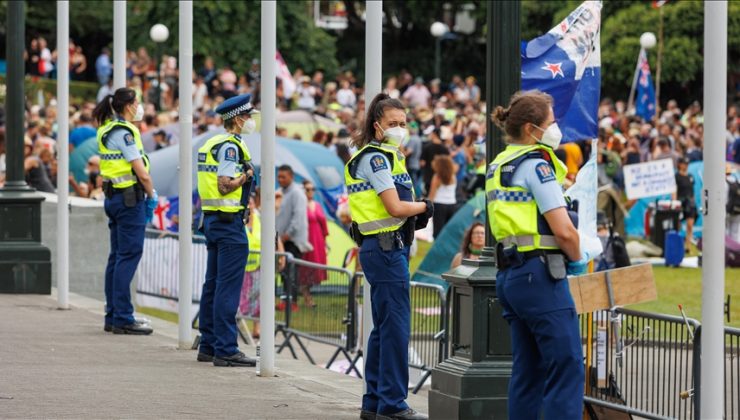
x=511 y=258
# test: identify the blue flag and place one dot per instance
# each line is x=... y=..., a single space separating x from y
x=566 y=63
x=645 y=106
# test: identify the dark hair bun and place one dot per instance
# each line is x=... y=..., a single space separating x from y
x=499 y=115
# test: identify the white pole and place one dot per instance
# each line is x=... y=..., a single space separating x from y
x=373 y=76
x=631 y=99
x=267 y=189
x=185 y=28
x=119 y=44
x=63 y=152
x=713 y=267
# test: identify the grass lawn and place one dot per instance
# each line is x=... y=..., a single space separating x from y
x=683 y=286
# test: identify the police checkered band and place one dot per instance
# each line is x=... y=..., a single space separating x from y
x=111 y=156
x=516 y=196
x=202 y=167
x=364 y=186
x=237 y=111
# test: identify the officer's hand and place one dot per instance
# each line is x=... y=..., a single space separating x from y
x=577 y=268
x=429 y=212
x=151 y=204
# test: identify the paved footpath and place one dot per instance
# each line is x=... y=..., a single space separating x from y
x=61 y=364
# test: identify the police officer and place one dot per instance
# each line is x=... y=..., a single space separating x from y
x=384 y=213
x=224 y=178
x=125 y=170
x=536 y=237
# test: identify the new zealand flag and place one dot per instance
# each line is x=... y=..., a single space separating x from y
x=645 y=105
x=566 y=63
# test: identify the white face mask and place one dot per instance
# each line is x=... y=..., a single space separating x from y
x=139 y=115
x=249 y=126
x=396 y=136
x=551 y=136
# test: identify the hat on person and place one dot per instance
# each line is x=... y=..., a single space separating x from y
x=424 y=114
x=343 y=133
x=419 y=80
x=458 y=139
x=237 y=105
x=682 y=159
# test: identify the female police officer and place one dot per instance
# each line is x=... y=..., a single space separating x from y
x=529 y=218
x=382 y=207
x=125 y=170
x=223 y=171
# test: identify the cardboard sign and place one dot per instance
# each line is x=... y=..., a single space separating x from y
x=633 y=284
x=649 y=179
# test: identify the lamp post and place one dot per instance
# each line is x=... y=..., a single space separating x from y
x=438 y=30
x=647 y=41
x=472 y=383
x=159 y=34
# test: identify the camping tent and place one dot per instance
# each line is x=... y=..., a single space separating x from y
x=439 y=257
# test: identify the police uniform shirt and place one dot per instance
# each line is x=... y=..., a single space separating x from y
x=375 y=169
x=122 y=139
x=228 y=158
x=538 y=177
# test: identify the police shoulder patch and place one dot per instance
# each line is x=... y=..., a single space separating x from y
x=129 y=139
x=378 y=163
x=230 y=154
x=544 y=172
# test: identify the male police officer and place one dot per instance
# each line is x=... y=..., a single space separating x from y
x=224 y=177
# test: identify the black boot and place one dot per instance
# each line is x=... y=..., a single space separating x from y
x=238 y=359
x=134 y=328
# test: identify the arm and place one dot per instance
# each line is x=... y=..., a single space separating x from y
x=565 y=233
x=457 y=260
x=397 y=208
x=227 y=184
x=144 y=178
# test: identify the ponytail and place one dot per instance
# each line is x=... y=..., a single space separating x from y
x=375 y=112
x=113 y=104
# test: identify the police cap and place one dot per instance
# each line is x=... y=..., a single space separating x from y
x=237 y=105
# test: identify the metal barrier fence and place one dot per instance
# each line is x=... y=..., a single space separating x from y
x=642 y=364
x=318 y=306
x=429 y=317
x=732 y=373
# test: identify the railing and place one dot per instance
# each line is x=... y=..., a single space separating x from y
x=732 y=373
x=642 y=364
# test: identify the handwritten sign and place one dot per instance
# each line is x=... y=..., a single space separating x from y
x=649 y=179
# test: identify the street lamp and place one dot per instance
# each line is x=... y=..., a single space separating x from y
x=159 y=34
x=438 y=30
x=647 y=41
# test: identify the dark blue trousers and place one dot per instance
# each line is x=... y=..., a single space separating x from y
x=126 y=226
x=227 y=247
x=387 y=361
x=547 y=375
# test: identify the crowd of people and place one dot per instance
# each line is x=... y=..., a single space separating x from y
x=445 y=155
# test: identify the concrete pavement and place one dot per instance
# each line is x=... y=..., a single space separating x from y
x=62 y=364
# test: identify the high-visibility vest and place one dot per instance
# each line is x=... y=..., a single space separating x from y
x=253 y=236
x=513 y=215
x=365 y=206
x=113 y=166
x=210 y=198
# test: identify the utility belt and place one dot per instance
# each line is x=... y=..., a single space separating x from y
x=387 y=241
x=227 y=217
x=510 y=257
x=131 y=195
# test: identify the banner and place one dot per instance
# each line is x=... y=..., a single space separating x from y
x=566 y=63
x=283 y=73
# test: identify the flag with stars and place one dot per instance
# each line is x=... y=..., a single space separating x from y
x=566 y=63
x=645 y=104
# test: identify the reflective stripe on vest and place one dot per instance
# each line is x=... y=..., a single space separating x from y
x=113 y=166
x=211 y=198
x=366 y=207
x=513 y=216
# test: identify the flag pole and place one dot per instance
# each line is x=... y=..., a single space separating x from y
x=712 y=387
x=631 y=100
x=63 y=151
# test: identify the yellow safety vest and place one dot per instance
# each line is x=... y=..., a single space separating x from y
x=512 y=212
x=210 y=198
x=113 y=166
x=253 y=235
x=365 y=205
